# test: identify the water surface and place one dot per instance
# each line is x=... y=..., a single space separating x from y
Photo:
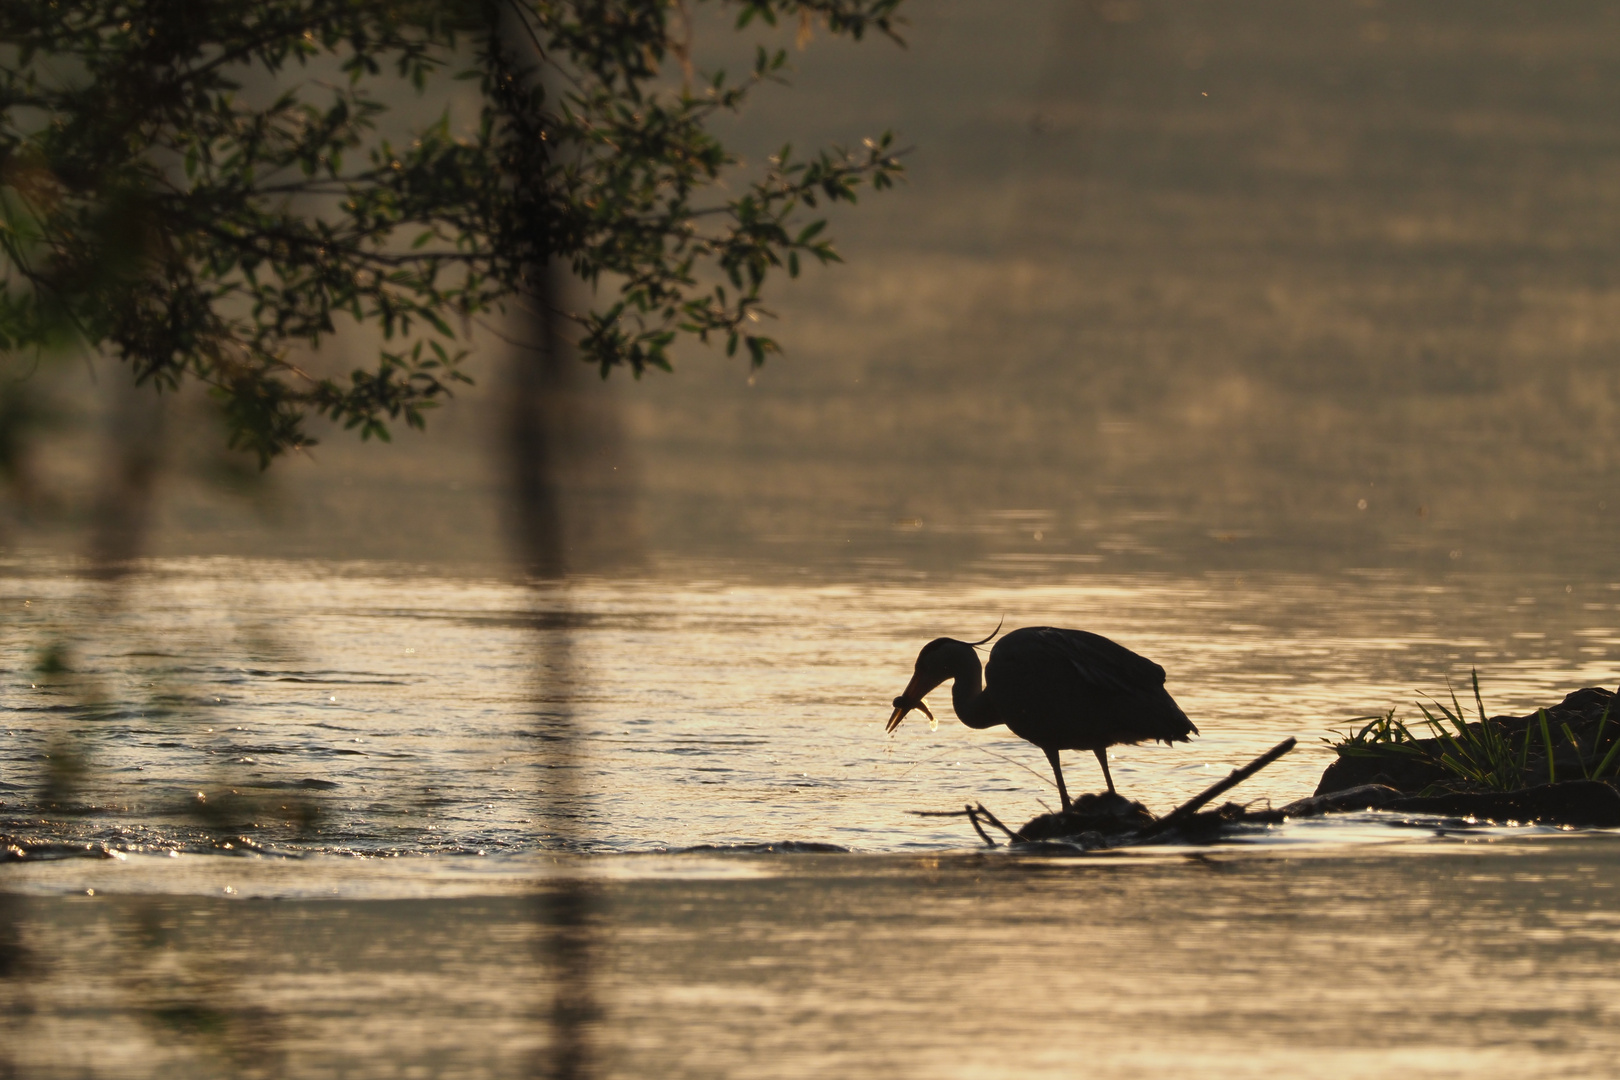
x=323 y=796
x=376 y=709
x=1480 y=957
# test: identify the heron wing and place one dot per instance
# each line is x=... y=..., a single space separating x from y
x=1072 y=689
x=1103 y=665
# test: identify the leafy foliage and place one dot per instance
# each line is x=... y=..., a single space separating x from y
x=1381 y=730
x=202 y=187
x=1477 y=752
x=1482 y=752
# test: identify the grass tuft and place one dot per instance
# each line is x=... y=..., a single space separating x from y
x=1482 y=752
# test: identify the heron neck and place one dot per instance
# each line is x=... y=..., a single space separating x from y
x=973 y=706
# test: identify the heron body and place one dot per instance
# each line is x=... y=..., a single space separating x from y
x=1059 y=689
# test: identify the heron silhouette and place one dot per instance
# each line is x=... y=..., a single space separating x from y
x=1059 y=689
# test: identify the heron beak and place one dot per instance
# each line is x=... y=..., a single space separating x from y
x=907 y=701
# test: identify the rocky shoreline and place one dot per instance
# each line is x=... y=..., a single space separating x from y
x=1547 y=771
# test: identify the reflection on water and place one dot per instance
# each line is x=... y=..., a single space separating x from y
x=299 y=707
x=233 y=711
x=1485 y=959
x=1172 y=285
x=1188 y=311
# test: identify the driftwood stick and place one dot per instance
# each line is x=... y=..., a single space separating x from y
x=997 y=823
x=973 y=816
x=1187 y=809
x=972 y=813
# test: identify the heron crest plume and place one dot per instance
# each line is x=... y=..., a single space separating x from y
x=993 y=633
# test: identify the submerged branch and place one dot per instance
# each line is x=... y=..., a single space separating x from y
x=972 y=811
x=1187 y=809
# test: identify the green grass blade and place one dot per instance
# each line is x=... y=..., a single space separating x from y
x=1456 y=717
x=1501 y=749
x=1546 y=737
x=1462 y=770
x=1607 y=758
x=1579 y=755
x=1462 y=751
x=1440 y=731
x=1381 y=730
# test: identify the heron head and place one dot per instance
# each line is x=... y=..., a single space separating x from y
x=939 y=660
x=933 y=667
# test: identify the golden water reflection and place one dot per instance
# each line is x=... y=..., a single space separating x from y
x=1491 y=959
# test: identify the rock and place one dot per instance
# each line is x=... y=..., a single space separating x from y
x=1361 y=797
x=778 y=847
x=1412 y=767
x=1589 y=804
x=1379 y=768
x=1107 y=814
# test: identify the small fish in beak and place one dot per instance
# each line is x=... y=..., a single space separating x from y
x=904 y=704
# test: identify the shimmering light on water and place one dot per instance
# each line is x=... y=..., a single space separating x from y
x=1486 y=959
x=395 y=710
x=1173 y=288
x=392 y=712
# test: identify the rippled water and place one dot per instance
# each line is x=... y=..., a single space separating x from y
x=379 y=710
x=1485 y=957
x=323 y=711
x=1172 y=286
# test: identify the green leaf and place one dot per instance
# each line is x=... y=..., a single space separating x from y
x=1552 y=770
x=272 y=237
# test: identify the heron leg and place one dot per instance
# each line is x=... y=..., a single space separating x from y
x=1102 y=759
x=1057 y=771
